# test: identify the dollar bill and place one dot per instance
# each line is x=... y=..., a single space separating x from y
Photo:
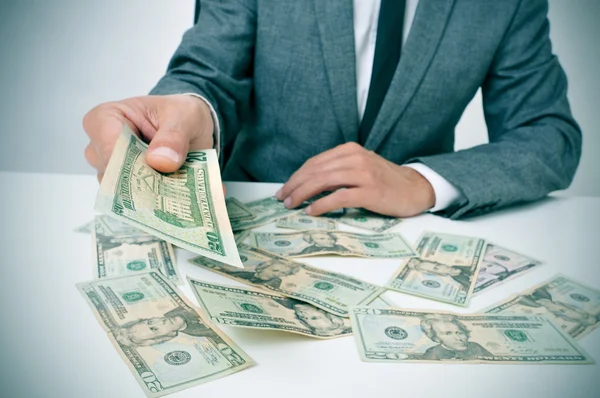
x=366 y=219
x=303 y=222
x=499 y=265
x=253 y=309
x=330 y=291
x=451 y=249
x=185 y=208
x=317 y=243
x=240 y=236
x=451 y=284
x=237 y=211
x=86 y=228
x=121 y=255
x=109 y=226
x=266 y=210
x=163 y=339
x=393 y=335
x=379 y=301
x=573 y=306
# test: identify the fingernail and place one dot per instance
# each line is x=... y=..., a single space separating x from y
x=278 y=194
x=287 y=202
x=308 y=210
x=167 y=153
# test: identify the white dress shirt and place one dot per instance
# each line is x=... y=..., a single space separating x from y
x=366 y=16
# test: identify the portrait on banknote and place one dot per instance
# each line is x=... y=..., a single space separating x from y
x=452 y=338
x=541 y=297
x=269 y=273
x=461 y=274
x=150 y=331
x=322 y=242
x=320 y=322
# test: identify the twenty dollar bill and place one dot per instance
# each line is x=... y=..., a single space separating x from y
x=161 y=337
x=448 y=283
x=315 y=243
x=252 y=309
x=124 y=254
x=571 y=305
x=393 y=335
x=185 y=208
x=329 y=291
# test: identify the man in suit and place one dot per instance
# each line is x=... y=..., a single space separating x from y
x=362 y=95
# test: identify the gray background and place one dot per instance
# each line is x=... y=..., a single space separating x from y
x=60 y=58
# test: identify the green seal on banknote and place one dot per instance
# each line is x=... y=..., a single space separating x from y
x=131 y=297
x=449 y=248
x=323 y=285
x=515 y=335
x=136 y=265
x=251 y=308
x=372 y=245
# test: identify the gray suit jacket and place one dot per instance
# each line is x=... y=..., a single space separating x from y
x=281 y=77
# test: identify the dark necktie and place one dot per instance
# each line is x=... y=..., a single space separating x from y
x=388 y=46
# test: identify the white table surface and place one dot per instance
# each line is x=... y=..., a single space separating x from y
x=52 y=346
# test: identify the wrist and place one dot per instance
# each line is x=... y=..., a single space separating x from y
x=424 y=194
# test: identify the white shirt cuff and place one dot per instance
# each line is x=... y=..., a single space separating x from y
x=215 y=119
x=446 y=194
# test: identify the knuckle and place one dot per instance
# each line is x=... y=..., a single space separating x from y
x=89 y=153
x=353 y=146
x=344 y=197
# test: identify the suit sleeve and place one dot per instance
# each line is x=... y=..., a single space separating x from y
x=214 y=61
x=534 y=142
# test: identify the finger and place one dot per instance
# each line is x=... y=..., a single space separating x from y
x=352 y=197
x=93 y=158
x=100 y=176
x=316 y=162
x=104 y=124
x=324 y=181
x=224 y=190
x=302 y=175
x=178 y=130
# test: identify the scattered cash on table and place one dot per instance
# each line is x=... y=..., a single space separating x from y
x=394 y=335
x=253 y=309
x=303 y=222
x=500 y=265
x=327 y=290
x=314 y=243
x=237 y=211
x=129 y=253
x=266 y=210
x=185 y=208
x=571 y=305
x=365 y=219
x=170 y=345
x=163 y=339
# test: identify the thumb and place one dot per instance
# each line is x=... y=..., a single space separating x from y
x=168 y=149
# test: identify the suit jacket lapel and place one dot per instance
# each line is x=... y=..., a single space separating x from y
x=335 y=20
x=420 y=47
